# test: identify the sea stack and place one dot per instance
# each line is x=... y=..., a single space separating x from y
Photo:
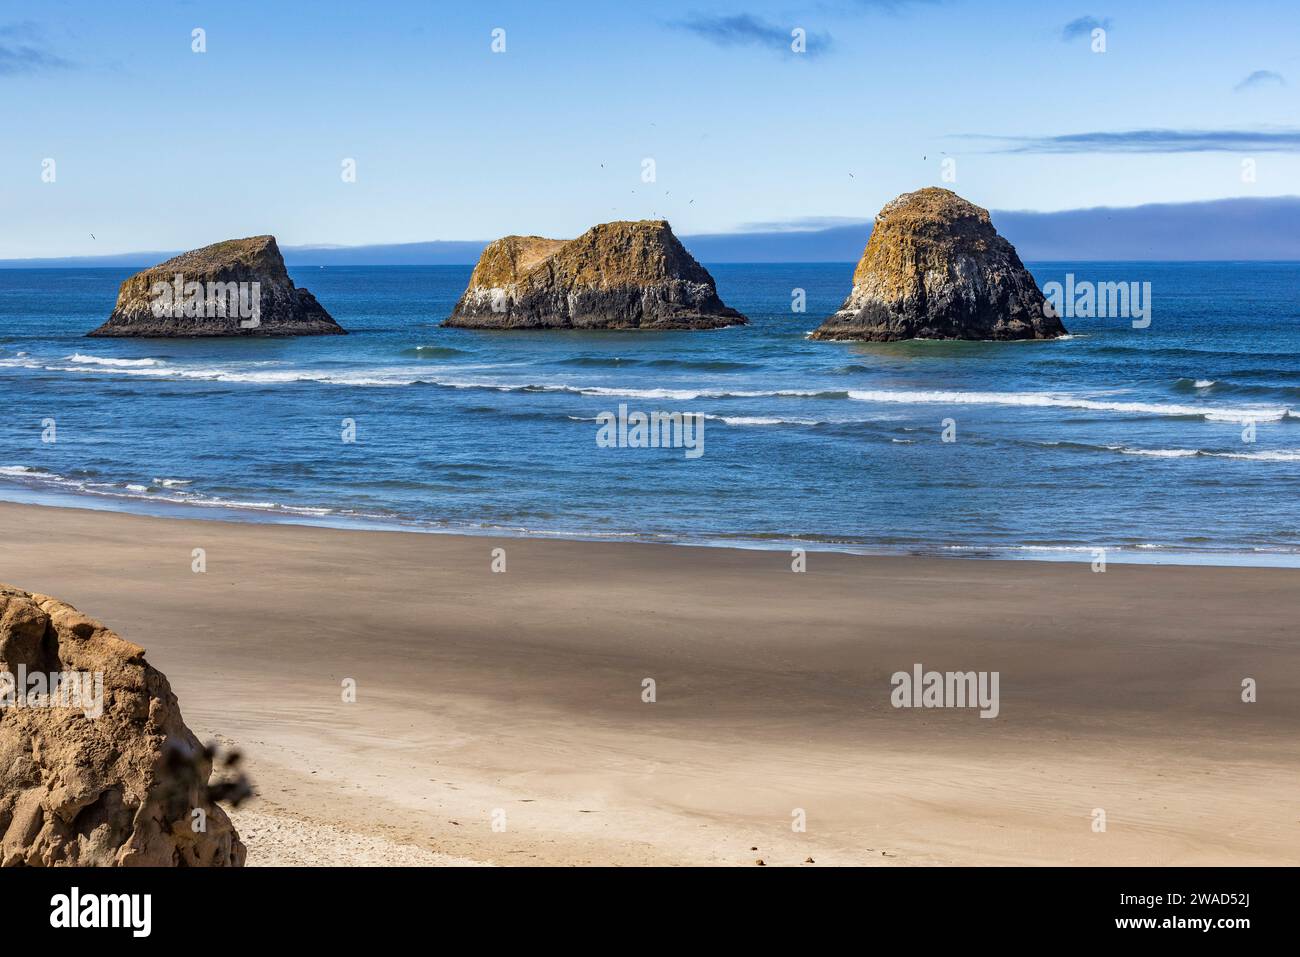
x=85 y=775
x=935 y=268
x=236 y=288
x=625 y=275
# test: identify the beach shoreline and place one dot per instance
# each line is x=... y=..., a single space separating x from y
x=521 y=692
x=308 y=517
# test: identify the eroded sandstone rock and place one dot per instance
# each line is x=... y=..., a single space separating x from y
x=239 y=287
x=84 y=789
x=624 y=275
x=935 y=268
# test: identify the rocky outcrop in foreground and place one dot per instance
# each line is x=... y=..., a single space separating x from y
x=614 y=276
x=236 y=288
x=935 y=268
x=95 y=784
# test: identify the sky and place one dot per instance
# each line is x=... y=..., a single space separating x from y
x=156 y=146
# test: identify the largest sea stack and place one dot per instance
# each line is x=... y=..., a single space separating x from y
x=235 y=288
x=935 y=268
x=624 y=275
x=89 y=774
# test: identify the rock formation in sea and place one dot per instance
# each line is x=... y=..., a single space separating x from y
x=236 y=288
x=624 y=275
x=87 y=766
x=935 y=268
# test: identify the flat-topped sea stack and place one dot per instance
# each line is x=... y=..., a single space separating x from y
x=625 y=275
x=236 y=288
x=97 y=767
x=935 y=268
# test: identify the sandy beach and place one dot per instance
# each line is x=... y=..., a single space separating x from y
x=499 y=716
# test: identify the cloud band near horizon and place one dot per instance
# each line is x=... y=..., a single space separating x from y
x=1148 y=141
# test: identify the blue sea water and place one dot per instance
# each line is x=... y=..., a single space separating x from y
x=1118 y=438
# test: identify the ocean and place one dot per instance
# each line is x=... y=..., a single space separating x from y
x=1175 y=442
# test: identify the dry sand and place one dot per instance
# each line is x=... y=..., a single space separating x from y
x=517 y=697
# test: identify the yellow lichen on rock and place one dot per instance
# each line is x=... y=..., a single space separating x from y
x=621 y=275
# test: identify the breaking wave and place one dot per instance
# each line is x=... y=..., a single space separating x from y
x=1055 y=401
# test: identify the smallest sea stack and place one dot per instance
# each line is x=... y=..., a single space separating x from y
x=935 y=268
x=236 y=288
x=624 y=275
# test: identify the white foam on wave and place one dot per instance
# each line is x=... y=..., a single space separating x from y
x=136 y=490
x=1263 y=455
x=111 y=362
x=265 y=377
x=1050 y=400
x=1159 y=453
x=679 y=395
x=747 y=420
x=742 y=421
x=411 y=376
x=734 y=420
x=405 y=377
x=20 y=361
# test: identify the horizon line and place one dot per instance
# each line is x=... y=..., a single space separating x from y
x=794 y=230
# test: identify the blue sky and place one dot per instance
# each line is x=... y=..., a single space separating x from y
x=158 y=147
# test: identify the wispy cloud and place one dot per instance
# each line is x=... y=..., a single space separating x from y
x=23 y=51
x=745 y=29
x=1261 y=78
x=1083 y=27
x=1149 y=141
